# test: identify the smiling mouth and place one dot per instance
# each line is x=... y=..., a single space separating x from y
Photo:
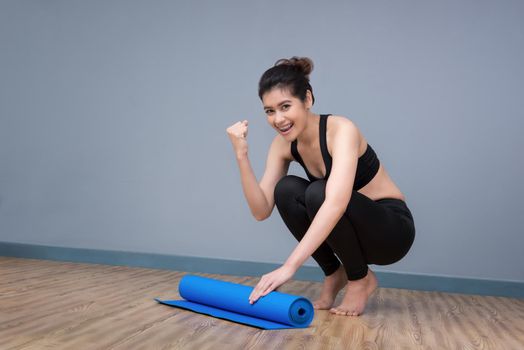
x=286 y=128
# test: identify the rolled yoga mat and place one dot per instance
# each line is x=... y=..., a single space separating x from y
x=230 y=301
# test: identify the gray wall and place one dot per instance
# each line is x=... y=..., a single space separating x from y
x=113 y=118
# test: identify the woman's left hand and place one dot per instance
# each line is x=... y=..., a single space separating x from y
x=271 y=281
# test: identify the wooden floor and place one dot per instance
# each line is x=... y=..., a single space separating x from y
x=59 y=305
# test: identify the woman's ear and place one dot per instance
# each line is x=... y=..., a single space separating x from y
x=309 y=99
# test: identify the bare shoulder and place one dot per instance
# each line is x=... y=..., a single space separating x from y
x=339 y=120
x=342 y=125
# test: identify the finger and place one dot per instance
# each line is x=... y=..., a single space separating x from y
x=268 y=290
x=253 y=298
x=255 y=294
x=260 y=292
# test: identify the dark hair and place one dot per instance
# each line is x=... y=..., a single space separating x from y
x=292 y=74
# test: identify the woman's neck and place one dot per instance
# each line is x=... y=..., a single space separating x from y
x=309 y=136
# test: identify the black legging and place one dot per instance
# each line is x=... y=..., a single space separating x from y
x=369 y=232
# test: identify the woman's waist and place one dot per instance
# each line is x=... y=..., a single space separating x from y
x=381 y=187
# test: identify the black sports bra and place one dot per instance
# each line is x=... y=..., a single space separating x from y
x=368 y=163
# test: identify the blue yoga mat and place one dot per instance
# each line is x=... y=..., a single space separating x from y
x=229 y=301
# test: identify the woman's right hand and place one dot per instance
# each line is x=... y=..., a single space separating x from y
x=238 y=135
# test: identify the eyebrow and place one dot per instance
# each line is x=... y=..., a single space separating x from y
x=280 y=104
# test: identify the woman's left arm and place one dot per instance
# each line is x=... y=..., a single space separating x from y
x=338 y=193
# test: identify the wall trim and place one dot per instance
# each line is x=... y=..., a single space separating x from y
x=249 y=268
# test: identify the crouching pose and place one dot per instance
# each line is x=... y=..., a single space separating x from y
x=347 y=214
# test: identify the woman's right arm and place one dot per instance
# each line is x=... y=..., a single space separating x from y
x=259 y=196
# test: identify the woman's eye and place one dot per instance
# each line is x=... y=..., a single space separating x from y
x=285 y=106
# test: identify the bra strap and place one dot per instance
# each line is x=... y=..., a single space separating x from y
x=323 y=143
x=298 y=158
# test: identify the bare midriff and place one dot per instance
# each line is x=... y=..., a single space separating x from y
x=381 y=186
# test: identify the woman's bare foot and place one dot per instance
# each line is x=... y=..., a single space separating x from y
x=357 y=294
x=330 y=288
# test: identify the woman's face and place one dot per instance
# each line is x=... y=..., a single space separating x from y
x=286 y=113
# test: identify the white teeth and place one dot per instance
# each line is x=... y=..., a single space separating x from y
x=286 y=128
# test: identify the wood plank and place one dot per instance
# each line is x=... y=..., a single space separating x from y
x=63 y=305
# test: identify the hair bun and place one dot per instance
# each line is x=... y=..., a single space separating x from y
x=305 y=64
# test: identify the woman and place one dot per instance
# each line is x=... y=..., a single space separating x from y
x=348 y=208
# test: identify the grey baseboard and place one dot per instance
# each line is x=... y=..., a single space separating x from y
x=250 y=268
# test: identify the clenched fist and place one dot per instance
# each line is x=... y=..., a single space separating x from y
x=238 y=135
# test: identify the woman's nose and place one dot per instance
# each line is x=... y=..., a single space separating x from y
x=279 y=117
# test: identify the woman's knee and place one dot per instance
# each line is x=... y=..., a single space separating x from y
x=315 y=195
x=288 y=186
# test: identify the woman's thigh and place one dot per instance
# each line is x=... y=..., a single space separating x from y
x=383 y=233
